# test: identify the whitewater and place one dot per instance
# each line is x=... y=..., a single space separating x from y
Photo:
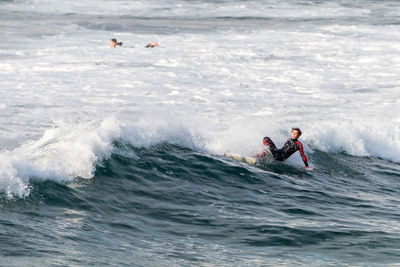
x=88 y=131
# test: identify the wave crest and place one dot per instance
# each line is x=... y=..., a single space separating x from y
x=61 y=154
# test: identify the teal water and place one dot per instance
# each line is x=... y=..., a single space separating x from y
x=114 y=157
x=168 y=204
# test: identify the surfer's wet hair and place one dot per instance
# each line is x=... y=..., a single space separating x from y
x=116 y=42
x=297 y=129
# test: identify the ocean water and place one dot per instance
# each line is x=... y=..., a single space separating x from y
x=115 y=157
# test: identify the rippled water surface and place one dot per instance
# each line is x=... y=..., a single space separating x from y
x=116 y=156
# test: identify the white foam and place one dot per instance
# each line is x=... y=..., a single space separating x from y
x=215 y=85
x=148 y=132
x=62 y=154
x=359 y=138
x=74 y=150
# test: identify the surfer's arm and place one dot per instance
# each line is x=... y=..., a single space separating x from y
x=303 y=156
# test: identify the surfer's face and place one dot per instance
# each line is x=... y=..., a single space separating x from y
x=295 y=134
x=113 y=44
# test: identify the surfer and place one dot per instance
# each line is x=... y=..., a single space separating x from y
x=114 y=43
x=290 y=147
x=151 y=45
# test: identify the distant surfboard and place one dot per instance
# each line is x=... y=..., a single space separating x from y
x=249 y=160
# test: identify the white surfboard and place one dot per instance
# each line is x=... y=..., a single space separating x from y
x=249 y=160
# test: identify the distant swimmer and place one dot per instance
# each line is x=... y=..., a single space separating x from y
x=290 y=147
x=114 y=43
x=151 y=45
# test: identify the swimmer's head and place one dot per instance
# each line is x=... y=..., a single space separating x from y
x=114 y=43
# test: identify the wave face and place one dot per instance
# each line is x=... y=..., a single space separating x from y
x=115 y=156
x=169 y=204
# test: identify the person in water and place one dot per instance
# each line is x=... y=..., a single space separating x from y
x=114 y=43
x=151 y=45
x=290 y=147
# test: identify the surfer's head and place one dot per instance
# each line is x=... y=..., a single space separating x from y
x=114 y=43
x=296 y=133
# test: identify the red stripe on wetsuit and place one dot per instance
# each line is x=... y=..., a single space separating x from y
x=303 y=156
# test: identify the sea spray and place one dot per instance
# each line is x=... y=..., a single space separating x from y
x=61 y=154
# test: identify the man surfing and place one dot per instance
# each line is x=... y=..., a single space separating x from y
x=290 y=147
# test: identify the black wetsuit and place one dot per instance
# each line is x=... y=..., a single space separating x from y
x=290 y=147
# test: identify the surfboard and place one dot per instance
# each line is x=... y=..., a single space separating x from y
x=249 y=160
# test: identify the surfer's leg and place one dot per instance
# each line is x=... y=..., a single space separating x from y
x=268 y=142
x=276 y=153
